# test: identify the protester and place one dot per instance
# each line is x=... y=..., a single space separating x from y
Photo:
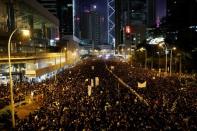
x=66 y=104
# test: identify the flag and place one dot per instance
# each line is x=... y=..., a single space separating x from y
x=89 y=90
x=141 y=85
x=97 y=81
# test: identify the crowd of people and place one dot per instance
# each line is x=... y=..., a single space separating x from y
x=66 y=104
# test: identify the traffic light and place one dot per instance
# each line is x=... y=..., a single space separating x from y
x=128 y=32
x=128 y=29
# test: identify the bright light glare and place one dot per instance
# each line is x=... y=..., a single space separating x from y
x=142 y=49
x=174 y=48
x=57 y=38
x=26 y=32
x=107 y=56
x=74 y=54
x=156 y=41
x=161 y=45
x=94 y=6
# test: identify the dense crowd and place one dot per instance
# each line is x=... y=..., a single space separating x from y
x=67 y=106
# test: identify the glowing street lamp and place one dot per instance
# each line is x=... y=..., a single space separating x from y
x=25 y=33
x=166 y=52
x=63 y=49
x=145 y=53
x=160 y=41
x=174 y=48
x=166 y=49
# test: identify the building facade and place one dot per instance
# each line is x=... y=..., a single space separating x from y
x=26 y=53
x=91 y=27
x=181 y=13
x=22 y=14
x=133 y=20
x=50 y=5
x=65 y=15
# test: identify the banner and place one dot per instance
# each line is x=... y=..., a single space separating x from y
x=89 y=90
x=97 y=81
x=141 y=85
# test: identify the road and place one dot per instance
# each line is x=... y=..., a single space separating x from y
x=74 y=102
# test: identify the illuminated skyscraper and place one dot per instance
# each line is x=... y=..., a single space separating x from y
x=133 y=15
x=111 y=21
x=65 y=14
x=91 y=27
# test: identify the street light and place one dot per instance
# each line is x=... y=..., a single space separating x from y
x=63 y=49
x=145 y=54
x=25 y=33
x=180 y=63
x=174 y=48
x=166 y=49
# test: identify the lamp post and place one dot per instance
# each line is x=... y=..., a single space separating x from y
x=129 y=53
x=65 y=54
x=60 y=58
x=159 y=59
x=145 y=56
x=55 y=71
x=180 y=64
x=174 y=48
x=25 y=33
x=166 y=49
x=63 y=49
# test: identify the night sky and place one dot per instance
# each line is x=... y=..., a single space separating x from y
x=101 y=5
x=160 y=8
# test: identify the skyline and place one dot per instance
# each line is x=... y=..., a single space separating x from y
x=101 y=9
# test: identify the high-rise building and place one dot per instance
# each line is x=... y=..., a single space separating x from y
x=50 y=5
x=65 y=15
x=43 y=25
x=118 y=23
x=91 y=26
x=67 y=12
x=181 y=13
x=151 y=13
x=137 y=16
x=85 y=25
x=133 y=17
x=111 y=22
